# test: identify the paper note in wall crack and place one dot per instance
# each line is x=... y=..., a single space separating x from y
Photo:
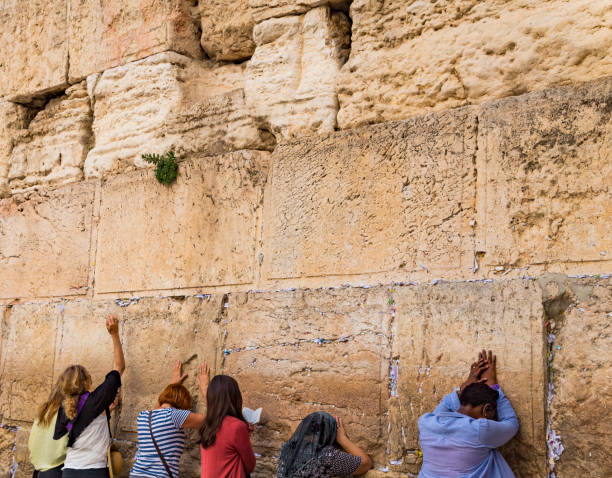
x=252 y=416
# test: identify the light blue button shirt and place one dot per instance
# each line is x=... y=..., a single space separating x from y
x=457 y=446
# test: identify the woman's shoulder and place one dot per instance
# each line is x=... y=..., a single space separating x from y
x=233 y=422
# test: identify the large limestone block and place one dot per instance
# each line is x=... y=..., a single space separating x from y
x=84 y=339
x=438 y=330
x=13 y=119
x=156 y=333
x=408 y=58
x=111 y=33
x=227 y=37
x=45 y=242
x=291 y=81
x=393 y=197
x=29 y=351
x=544 y=176
x=53 y=146
x=314 y=350
x=169 y=101
x=579 y=313
x=33 y=48
x=201 y=231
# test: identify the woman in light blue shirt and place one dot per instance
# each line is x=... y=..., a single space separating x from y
x=460 y=438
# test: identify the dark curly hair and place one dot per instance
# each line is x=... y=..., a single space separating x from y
x=478 y=394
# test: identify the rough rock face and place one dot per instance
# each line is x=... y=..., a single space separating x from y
x=264 y=9
x=227 y=37
x=292 y=75
x=579 y=314
x=107 y=34
x=168 y=101
x=53 y=146
x=214 y=199
x=7 y=443
x=13 y=119
x=44 y=242
x=411 y=57
x=33 y=50
x=400 y=195
x=548 y=175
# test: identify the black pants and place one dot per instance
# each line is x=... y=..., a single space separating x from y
x=88 y=473
x=52 y=473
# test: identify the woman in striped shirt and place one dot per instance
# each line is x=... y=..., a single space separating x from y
x=161 y=438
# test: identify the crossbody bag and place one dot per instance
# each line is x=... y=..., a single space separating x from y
x=161 y=457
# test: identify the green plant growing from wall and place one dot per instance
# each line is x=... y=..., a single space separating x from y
x=166 y=167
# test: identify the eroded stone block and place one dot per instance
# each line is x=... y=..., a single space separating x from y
x=438 y=331
x=579 y=312
x=292 y=75
x=27 y=373
x=157 y=332
x=199 y=231
x=169 y=102
x=227 y=37
x=108 y=34
x=52 y=147
x=313 y=350
x=544 y=174
x=7 y=443
x=397 y=196
x=33 y=48
x=407 y=59
x=45 y=242
x=13 y=119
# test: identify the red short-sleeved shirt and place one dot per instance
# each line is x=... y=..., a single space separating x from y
x=231 y=456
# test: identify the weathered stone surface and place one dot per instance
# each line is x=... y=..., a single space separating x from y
x=313 y=350
x=108 y=34
x=7 y=443
x=437 y=332
x=227 y=37
x=169 y=101
x=264 y=9
x=13 y=119
x=397 y=196
x=53 y=146
x=84 y=339
x=157 y=332
x=544 y=177
x=291 y=81
x=408 y=59
x=33 y=48
x=208 y=217
x=44 y=242
x=27 y=373
x=579 y=312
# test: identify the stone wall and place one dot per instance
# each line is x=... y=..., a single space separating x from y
x=369 y=192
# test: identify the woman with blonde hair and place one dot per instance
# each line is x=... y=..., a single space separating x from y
x=82 y=417
x=46 y=454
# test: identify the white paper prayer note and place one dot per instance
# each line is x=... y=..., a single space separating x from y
x=251 y=416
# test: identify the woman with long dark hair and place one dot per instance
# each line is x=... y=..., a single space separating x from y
x=320 y=448
x=224 y=436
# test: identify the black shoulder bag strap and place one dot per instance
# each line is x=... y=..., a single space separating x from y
x=163 y=460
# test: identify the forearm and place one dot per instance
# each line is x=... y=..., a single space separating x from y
x=118 y=354
x=351 y=448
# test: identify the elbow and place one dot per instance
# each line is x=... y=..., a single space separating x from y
x=365 y=466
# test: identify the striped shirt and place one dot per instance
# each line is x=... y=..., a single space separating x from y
x=170 y=438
